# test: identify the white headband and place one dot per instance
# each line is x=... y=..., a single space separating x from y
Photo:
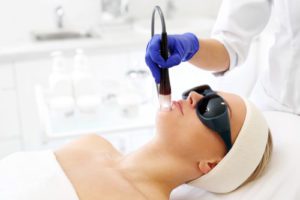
x=243 y=158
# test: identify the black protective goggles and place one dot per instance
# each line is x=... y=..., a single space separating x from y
x=212 y=111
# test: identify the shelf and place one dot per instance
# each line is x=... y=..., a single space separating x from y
x=107 y=119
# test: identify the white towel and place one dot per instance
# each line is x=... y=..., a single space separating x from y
x=34 y=176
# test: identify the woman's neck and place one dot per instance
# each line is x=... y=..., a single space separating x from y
x=154 y=169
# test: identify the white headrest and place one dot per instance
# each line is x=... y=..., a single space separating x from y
x=242 y=159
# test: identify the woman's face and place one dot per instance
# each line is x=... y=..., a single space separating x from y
x=184 y=133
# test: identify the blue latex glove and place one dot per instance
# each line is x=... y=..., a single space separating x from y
x=181 y=48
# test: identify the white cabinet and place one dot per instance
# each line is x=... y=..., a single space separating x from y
x=28 y=75
x=6 y=76
x=10 y=136
x=9 y=119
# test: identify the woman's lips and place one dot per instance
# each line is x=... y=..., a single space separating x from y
x=178 y=105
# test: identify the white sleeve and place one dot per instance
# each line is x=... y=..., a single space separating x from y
x=237 y=23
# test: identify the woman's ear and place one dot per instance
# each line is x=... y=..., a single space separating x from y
x=206 y=165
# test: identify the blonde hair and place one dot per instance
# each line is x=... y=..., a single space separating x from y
x=263 y=163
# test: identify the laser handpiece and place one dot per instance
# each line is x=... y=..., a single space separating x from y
x=164 y=87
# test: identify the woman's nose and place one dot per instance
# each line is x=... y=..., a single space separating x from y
x=193 y=98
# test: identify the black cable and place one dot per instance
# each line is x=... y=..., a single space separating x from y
x=162 y=19
x=164 y=86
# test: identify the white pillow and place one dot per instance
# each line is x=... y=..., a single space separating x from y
x=281 y=179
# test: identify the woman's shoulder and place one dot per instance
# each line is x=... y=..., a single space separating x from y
x=90 y=144
x=93 y=141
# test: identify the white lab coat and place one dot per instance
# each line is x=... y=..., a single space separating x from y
x=239 y=21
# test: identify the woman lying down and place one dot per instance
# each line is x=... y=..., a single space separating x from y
x=215 y=141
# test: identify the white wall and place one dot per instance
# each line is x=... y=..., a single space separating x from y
x=198 y=8
x=182 y=7
x=18 y=18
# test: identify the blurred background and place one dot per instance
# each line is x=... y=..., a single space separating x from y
x=73 y=67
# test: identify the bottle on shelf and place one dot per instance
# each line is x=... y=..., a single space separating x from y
x=60 y=86
x=84 y=84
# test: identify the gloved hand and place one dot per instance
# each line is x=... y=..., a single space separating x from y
x=181 y=48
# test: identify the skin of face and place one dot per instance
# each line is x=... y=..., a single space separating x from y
x=184 y=134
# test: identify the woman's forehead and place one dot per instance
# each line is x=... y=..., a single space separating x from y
x=228 y=97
